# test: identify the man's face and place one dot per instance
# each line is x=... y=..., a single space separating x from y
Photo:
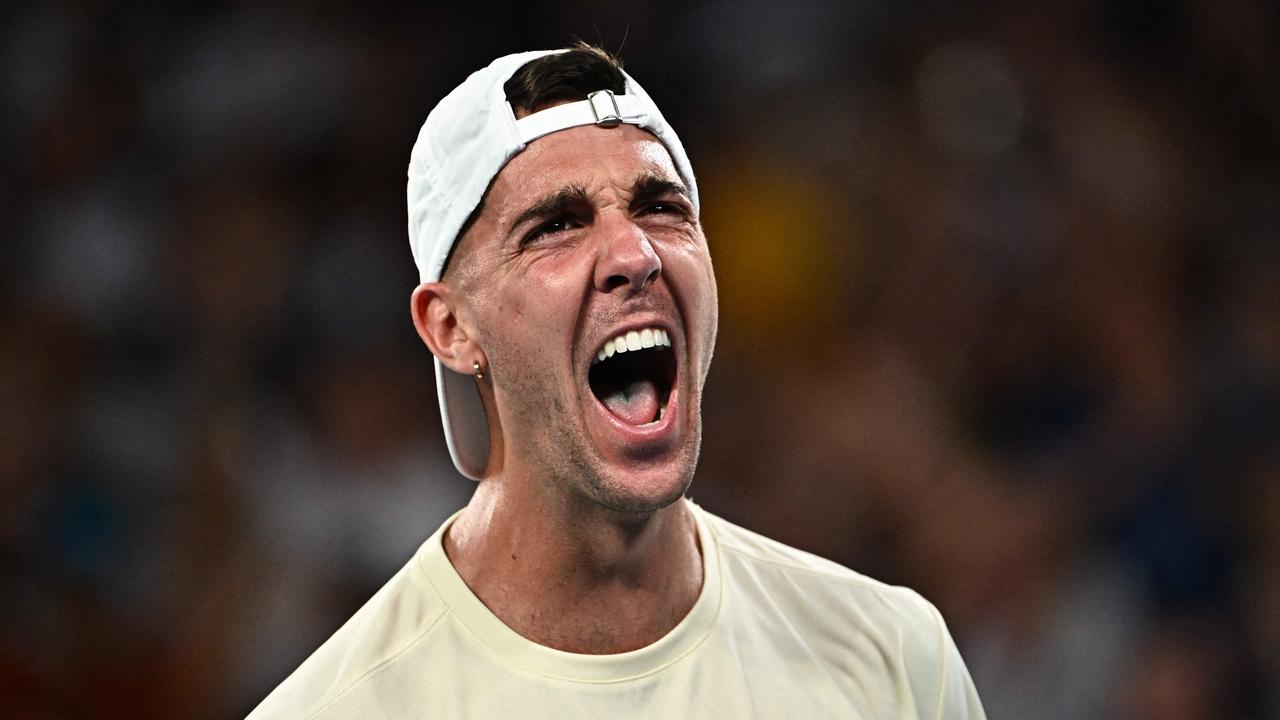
x=585 y=237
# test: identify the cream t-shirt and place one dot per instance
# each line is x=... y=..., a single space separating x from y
x=774 y=633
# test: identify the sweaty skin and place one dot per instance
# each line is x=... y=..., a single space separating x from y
x=574 y=537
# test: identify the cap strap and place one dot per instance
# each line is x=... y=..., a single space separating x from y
x=601 y=107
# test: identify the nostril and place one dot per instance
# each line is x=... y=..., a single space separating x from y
x=616 y=281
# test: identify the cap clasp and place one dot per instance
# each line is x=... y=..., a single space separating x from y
x=605 y=107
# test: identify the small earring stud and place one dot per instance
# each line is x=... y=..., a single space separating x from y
x=475 y=365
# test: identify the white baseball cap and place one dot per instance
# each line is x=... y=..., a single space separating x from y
x=464 y=143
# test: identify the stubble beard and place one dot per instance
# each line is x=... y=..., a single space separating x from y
x=556 y=449
x=612 y=493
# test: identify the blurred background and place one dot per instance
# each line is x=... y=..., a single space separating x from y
x=1000 y=321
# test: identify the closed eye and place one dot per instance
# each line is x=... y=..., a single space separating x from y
x=666 y=210
x=652 y=194
x=662 y=207
x=550 y=227
x=552 y=213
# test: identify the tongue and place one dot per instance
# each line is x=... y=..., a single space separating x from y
x=634 y=404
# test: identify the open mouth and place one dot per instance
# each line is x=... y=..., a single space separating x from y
x=632 y=375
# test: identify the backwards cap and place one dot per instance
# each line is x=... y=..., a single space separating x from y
x=465 y=142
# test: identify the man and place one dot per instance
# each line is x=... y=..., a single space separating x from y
x=569 y=300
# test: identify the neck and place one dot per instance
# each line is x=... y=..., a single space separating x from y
x=576 y=577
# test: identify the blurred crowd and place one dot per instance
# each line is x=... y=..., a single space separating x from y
x=1000 y=299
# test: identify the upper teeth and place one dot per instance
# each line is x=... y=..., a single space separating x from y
x=635 y=340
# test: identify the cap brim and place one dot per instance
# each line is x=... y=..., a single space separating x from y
x=466 y=431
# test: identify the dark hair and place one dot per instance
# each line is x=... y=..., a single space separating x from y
x=564 y=76
x=538 y=84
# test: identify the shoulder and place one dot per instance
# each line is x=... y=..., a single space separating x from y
x=883 y=634
x=398 y=617
x=764 y=560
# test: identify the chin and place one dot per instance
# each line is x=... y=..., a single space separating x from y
x=641 y=488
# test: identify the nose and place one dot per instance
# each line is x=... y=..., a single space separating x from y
x=627 y=259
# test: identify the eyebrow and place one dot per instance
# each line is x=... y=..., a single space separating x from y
x=645 y=188
x=555 y=203
x=651 y=186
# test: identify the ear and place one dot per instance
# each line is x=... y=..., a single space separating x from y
x=434 y=309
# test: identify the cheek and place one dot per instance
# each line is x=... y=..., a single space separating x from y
x=512 y=311
x=697 y=280
x=693 y=281
x=554 y=287
x=536 y=309
x=712 y=305
x=713 y=291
